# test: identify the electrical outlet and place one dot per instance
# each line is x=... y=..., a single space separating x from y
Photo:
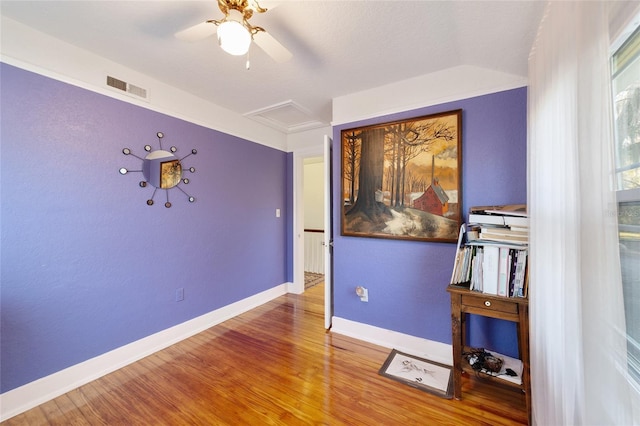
x=179 y=294
x=363 y=293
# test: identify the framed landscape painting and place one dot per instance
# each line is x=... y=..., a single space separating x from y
x=402 y=180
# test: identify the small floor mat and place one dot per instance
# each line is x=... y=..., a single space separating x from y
x=312 y=278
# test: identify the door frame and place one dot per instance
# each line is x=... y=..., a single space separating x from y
x=327 y=240
x=298 y=218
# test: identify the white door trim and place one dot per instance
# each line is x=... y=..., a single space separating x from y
x=328 y=235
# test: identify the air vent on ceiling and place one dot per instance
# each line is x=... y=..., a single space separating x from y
x=127 y=87
x=287 y=116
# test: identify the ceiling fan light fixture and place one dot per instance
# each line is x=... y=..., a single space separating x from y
x=233 y=36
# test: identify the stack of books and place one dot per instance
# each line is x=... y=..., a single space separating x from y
x=503 y=224
x=493 y=260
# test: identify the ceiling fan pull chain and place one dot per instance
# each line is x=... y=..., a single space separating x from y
x=248 y=60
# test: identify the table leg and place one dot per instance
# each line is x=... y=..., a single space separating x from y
x=523 y=346
x=458 y=344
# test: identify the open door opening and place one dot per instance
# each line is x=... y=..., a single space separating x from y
x=322 y=153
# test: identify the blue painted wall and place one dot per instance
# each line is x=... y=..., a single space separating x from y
x=407 y=280
x=87 y=266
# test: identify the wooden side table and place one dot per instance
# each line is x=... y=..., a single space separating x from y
x=516 y=309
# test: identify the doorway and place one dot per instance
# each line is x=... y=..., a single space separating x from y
x=313 y=206
x=315 y=158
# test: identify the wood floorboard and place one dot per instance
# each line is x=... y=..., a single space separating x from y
x=274 y=365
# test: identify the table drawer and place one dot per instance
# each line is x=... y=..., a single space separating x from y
x=490 y=304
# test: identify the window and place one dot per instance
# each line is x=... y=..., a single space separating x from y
x=625 y=65
x=626 y=92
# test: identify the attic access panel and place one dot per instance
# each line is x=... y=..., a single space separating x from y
x=402 y=179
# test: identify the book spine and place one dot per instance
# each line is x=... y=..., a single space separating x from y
x=519 y=279
x=456 y=260
x=503 y=271
x=490 y=269
x=513 y=261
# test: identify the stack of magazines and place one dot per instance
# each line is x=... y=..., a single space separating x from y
x=508 y=224
x=492 y=251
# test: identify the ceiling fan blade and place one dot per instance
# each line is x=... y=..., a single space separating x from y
x=196 y=32
x=272 y=47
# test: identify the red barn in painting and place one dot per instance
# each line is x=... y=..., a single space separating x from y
x=434 y=200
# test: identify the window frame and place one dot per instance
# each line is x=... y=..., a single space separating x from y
x=626 y=196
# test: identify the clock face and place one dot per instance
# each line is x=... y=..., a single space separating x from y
x=162 y=170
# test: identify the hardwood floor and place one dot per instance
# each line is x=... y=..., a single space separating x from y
x=274 y=365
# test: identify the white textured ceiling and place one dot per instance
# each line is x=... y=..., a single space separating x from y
x=339 y=47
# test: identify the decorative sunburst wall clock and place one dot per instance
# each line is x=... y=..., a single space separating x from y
x=162 y=170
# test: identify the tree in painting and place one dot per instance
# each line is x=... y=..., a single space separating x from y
x=370 y=175
x=402 y=180
x=351 y=155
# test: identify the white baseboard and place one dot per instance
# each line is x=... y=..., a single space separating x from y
x=32 y=394
x=417 y=346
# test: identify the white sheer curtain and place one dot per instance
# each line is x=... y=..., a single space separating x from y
x=578 y=346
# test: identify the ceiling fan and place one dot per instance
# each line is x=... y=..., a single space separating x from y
x=234 y=31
